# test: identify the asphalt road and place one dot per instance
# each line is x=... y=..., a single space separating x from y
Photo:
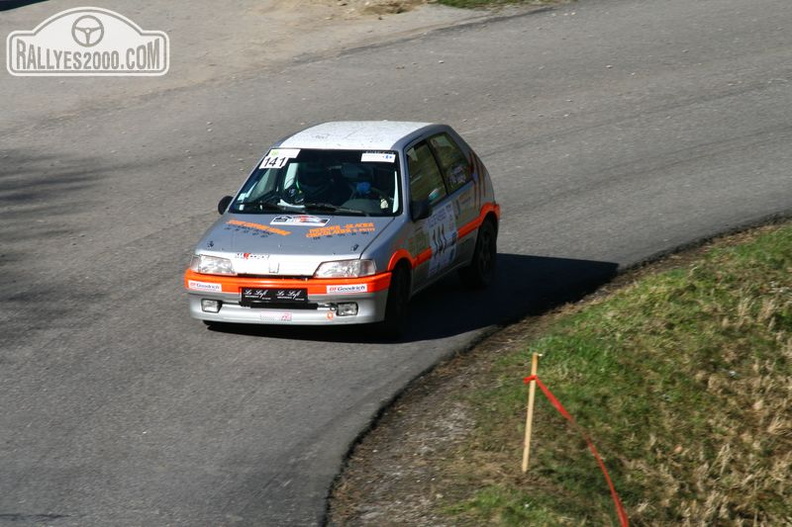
x=614 y=129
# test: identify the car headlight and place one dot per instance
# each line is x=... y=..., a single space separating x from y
x=345 y=269
x=206 y=264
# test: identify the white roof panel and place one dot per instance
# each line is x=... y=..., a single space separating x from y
x=353 y=135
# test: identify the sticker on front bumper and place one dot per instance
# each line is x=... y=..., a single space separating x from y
x=255 y=296
x=276 y=316
x=204 y=286
x=347 y=289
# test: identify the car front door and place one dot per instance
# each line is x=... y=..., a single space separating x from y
x=434 y=238
x=457 y=172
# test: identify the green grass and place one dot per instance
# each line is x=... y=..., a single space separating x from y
x=684 y=381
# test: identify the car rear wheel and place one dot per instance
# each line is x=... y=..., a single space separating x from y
x=396 y=306
x=481 y=270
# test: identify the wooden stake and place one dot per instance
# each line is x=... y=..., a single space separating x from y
x=529 y=416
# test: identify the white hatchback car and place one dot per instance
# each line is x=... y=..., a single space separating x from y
x=342 y=223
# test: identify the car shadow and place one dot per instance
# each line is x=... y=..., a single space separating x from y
x=525 y=286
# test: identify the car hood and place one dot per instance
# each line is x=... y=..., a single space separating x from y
x=289 y=244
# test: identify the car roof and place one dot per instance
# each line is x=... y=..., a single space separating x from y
x=355 y=135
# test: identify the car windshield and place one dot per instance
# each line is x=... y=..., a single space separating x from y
x=342 y=182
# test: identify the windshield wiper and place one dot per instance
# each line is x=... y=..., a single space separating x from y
x=247 y=206
x=329 y=207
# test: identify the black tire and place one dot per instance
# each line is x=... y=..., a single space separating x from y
x=481 y=271
x=396 y=306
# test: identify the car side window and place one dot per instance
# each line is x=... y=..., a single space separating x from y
x=425 y=179
x=455 y=166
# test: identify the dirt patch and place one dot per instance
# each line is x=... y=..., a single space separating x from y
x=328 y=27
x=356 y=8
x=398 y=472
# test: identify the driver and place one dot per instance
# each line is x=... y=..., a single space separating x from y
x=319 y=186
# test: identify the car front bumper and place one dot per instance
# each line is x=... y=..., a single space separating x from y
x=330 y=302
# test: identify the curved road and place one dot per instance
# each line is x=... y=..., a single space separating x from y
x=614 y=129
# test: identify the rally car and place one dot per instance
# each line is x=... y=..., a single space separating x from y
x=342 y=223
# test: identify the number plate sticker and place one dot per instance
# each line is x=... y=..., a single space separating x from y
x=251 y=295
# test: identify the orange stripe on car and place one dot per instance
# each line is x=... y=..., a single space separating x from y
x=426 y=254
x=475 y=224
x=404 y=254
x=315 y=286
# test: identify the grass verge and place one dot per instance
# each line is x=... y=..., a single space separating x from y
x=684 y=381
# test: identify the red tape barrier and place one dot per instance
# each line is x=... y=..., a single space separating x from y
x=558 y=406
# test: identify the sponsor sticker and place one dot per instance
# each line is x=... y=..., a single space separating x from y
x=276 y=316
x=302 y=219
x=378 y=157
x=251 y=256
x=441 y=227
x=250 y=227
x=278 y=157
x=341 y=230
x=347 y=289
x=87 y=41
x=204 y=286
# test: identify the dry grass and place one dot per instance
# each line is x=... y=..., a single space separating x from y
x=683 y=378
x=685 y=381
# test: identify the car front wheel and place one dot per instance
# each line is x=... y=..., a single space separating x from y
x=396 y=306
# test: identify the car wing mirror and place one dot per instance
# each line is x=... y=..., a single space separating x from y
x=420 y=210
x=225 y=201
